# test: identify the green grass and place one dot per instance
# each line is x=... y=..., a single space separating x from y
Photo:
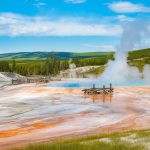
x=91 y=54
x=98 y=70
x=146 y=133
x=143 y=53
x=139 y=58
x=98 y=142
x=95 y=145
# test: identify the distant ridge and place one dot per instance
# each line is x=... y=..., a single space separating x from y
x=46 y=55
x=67 y=55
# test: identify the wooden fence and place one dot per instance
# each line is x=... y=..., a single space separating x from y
x=94 y=90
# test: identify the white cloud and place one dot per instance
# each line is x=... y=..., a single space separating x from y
x=103 y=47
x=75 y=1
x=123 y=18
x=127 y=7
x=18 y=25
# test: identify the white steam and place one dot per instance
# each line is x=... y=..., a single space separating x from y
x=134 y=33
x=146 y=73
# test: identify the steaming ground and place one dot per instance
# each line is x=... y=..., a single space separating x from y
x=120 y=73
x=135 y=33
x=33 y=113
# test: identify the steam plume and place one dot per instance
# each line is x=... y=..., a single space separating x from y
x=133 y=35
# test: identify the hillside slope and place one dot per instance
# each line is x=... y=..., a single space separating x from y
x=143 y=53
x=45 y=55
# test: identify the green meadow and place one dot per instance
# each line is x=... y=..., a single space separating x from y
x=133 y=140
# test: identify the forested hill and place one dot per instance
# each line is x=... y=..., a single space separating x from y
x=48 y=63
x=47 y=55
x=66 y=55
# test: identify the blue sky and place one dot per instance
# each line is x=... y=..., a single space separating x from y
x=66 y=25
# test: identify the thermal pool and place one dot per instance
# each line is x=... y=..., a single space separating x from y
x=35 y=113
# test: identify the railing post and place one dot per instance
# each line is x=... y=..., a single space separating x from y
x=93 y=86
x=104 y=89
x=110 y=86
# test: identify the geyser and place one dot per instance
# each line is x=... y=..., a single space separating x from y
x=118 y=71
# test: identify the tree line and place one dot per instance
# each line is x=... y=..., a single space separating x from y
x=49 y=67
x=92 y=61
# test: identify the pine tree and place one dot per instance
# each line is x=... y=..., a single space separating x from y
x=13 y=66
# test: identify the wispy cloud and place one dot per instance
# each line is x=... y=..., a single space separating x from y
x=127 y=7
x=38 y=3
x=75 y=1
x=18 y=25
x=123 y=18
x=102 y=47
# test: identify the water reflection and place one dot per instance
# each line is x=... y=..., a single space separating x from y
x=96 y=98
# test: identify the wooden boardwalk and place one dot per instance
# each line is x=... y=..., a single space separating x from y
x=18 y=81
x=38 y=80
x=30 y=80
x=94 y=90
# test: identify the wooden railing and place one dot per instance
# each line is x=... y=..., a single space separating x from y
x=94 y=90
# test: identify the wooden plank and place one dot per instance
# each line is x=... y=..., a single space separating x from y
x=104 y=90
